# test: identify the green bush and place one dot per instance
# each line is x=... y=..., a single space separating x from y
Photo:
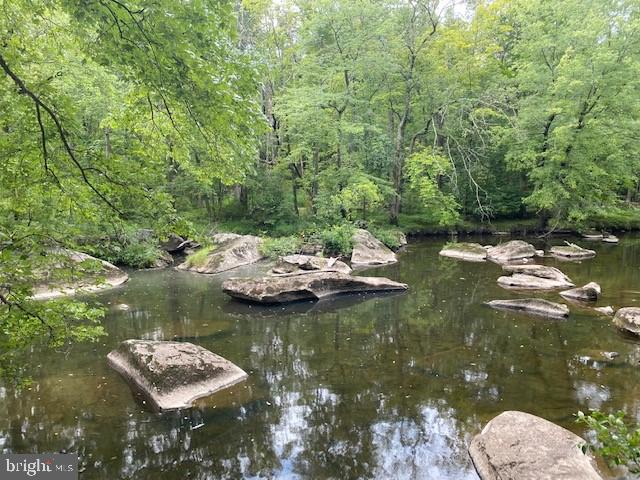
x=337 y=240
x=199 y=258
x=278 y=247
x=128 y=250
x=391 y=237
x=616 y=441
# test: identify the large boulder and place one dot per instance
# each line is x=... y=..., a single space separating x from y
x=535 y=306
x=309 y=263
x=530 y=282
x=72 y=272
x=628 y=319
x=231 y=254
x=223 y=237
x=534 y=277
x=173 y=244
x=172 y=375
x=305 y=286
x=368 y=250
x=472 y=252
x=513 y=251
x=588 y=293
x=571 y=251
x=519 y=446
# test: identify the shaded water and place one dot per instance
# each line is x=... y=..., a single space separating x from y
x=384 y=387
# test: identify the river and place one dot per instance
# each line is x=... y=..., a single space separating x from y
x=390 y=386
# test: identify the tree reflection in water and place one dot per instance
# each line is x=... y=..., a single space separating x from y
x=363 y=387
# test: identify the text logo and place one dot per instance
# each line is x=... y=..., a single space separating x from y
x=39 y=466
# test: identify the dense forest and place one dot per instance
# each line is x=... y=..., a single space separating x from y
x=289 y=118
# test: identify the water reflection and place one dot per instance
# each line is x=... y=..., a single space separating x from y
x=382 y=387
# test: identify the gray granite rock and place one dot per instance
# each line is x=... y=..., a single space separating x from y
x=172 y=375
x=305 y=286
x=519 y=446
x=535 y=306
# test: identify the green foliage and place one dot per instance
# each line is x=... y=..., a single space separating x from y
x=337 y=240
x=361 y=196
x=278 y=247
x=391 y=237
x=424 y=171
x=130 y=248
x=618 y=443
x=199 y=257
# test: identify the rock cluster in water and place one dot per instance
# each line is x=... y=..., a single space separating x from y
x=519 y=446
x=172 y=375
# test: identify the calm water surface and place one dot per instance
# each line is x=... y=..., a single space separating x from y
x=358 y=387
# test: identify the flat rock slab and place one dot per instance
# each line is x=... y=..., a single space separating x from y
x=628 y=319
x=471 y=252
x=535 y=306
x=529 y=282
x=519 y=446
x=512 y=251
x=542 y=271
x=231 y=254
x=308 y=286
x=571 y=252
x=368 y=250
x=588 y=293
x=173 y=374
x=88 y=274
x=309 y=263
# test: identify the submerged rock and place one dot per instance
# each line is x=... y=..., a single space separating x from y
x=306 y=286
x=234 y=253
x=589 y=292
x=172 y=375
x=473 y=252
x=76 y=272
x=628 y=319
x=368 y=250
x=531 y=282
x=511 y=251
x=520 y=446
x=536 y=306
x=571 y=251
x=309 y=263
